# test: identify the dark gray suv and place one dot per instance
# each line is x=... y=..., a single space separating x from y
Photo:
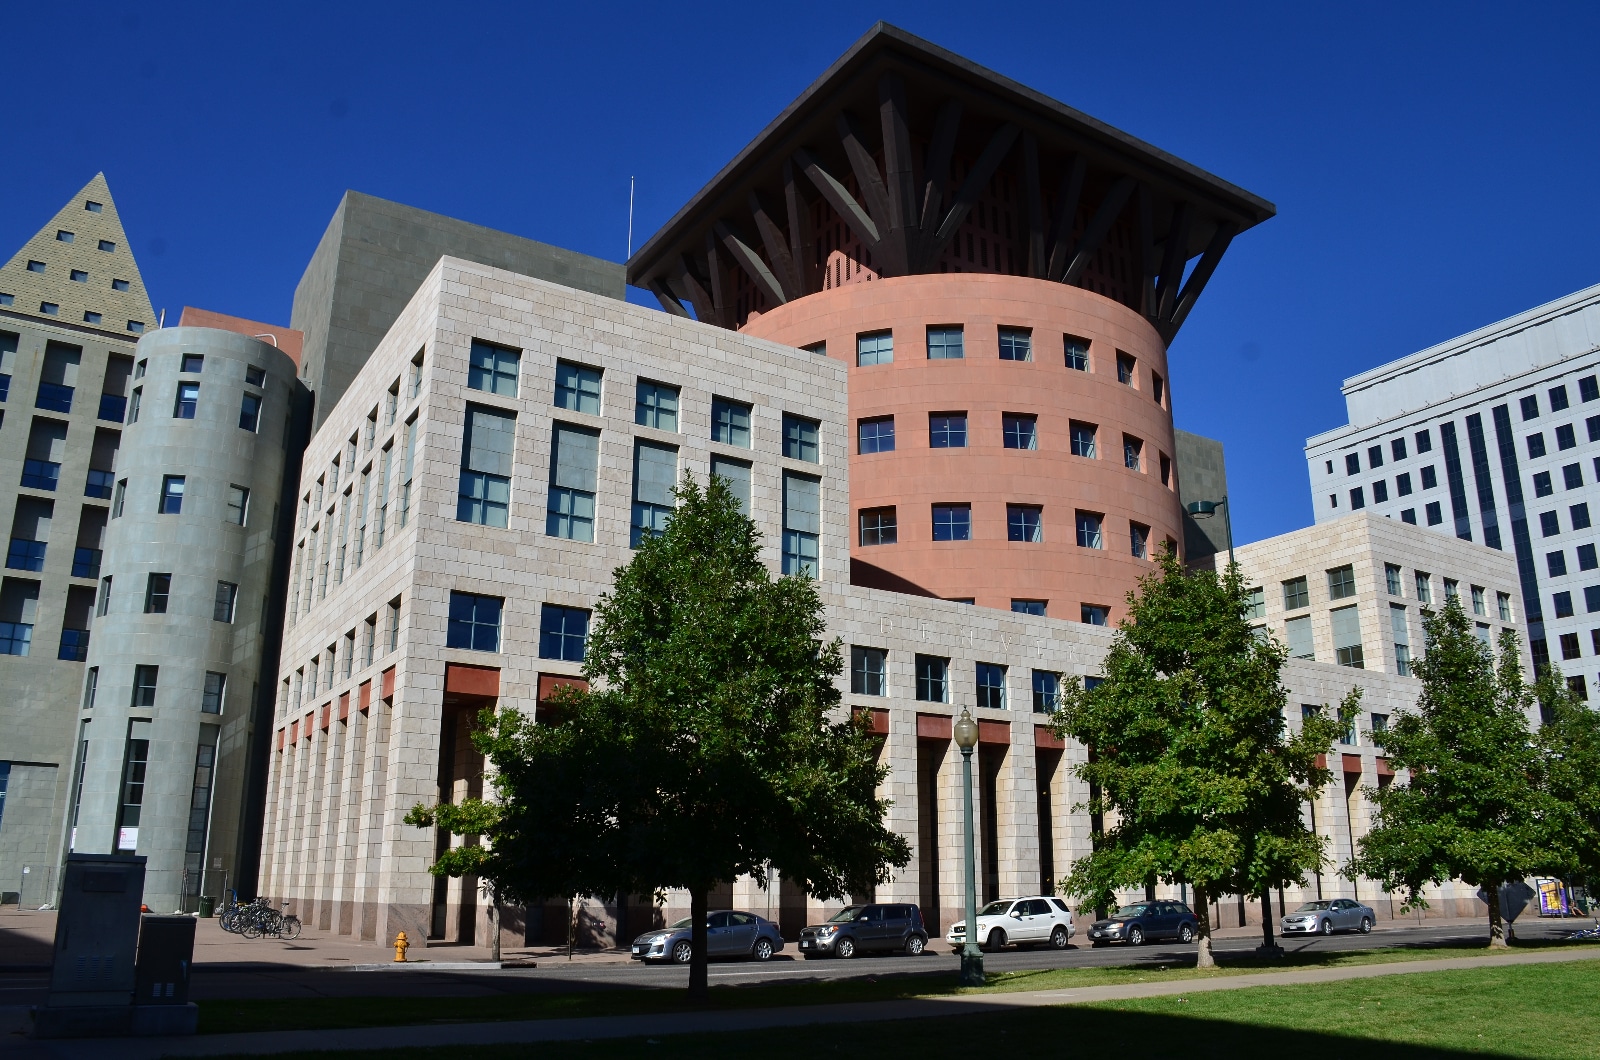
x=866 y=929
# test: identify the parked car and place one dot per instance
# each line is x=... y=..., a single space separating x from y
x=1022 y=922
x=1326 y=917
x=1141 y=922
x=729 y=933
x=866 y=929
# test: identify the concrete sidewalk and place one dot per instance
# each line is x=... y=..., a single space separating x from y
x=529 y=1031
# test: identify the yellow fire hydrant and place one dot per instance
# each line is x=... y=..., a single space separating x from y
x=400 y=947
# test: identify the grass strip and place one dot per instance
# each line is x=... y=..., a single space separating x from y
x=1538 y=1012
x=251 y=1015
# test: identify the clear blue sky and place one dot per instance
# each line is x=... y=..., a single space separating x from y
x=1434 y=166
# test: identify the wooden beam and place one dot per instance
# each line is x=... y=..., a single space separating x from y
x=1203 y=269
x=993 y=154
x=1099 y=225
x=664 y=295
x=936 y=175
x=802 y=236
x=873 y=194
x=1172 y=261
x=1147 y=252
x=839 y=197
x=900 y=182
x=719 y=299
x=1033 y=204
x=751 y=262
x=1066 y=213
x=690 y=286
x=777 y=248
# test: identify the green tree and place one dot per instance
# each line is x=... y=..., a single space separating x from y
x=1474 y=806
x=704 y=751
x=1190 y=750
x=1569 y=741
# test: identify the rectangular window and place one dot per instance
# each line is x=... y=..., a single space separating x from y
x=1409 y=515
x=932 y=683
x=474 y=622
x=1347 y=637
x=1296 y=594
x=1391 y=579
x=868 y=671
x=1589 y=388
x=238 y=505
x=574 y=465
x=1352 y=463
x=1565 y=438
x=89 y=686
x=1297 y=635
x=802 y=523
x=187 y=401
x=1094 y=615
x=1402 y=640
x=1452 y=590
x=144 y=685
x=1029 y=607
x=800 y=438
x=1563 y=604
x=818 y=348
x=1549 y=524
x=1397 y=448
x=484 y=492
x=254 y=376
x=991 y=686
x=1358 y=499
x=736 y=473
x=878 y=526
x=1020 y=431
x=655 y=473
x=730 y=422
x=874 y=348
x=1530 y=407
x=171 y=495
x=1077 y=351
x=130 y=799
x=947 y=430
x=1435 y=517
x=1580 y=516
x=1139 y=540
x=407 y=466
x=393 y=625
x=1132 y=448
x=875 y=436
x=1158 y=387
x=1424 y=442
x=1424 y=583
x=1089 y=530
x=1341 y=582
x=1480 y=605
x=492 y=369
x=1255 y=603
x=250 y=413
x=1572 y=476
x=222 y=605
x=1430 y=478
x=1558 y=398
x=157 y=590
x=1503 y=602
x=1082 y=438
x=945 y=344
x=1375 y=456
x=656 y=405
x=19 y=603
x=103 y=604
x=369 y=640
x=1380 y=491
x=212 y=694
x=1024 y=522
x=1016 y=344
x=1046 y=691
x=952 y=522
x=563 y=633
x=416 y=378
x=577 y=388
x=1402 y=484
x=1536 y=446
x=1125 y=368
x=1570 y=648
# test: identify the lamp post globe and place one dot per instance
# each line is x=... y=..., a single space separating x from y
x=965 y=733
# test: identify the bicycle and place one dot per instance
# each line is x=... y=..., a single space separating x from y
x=261 y=919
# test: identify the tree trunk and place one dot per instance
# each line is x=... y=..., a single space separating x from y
x=1267 y=942
x=1497 y=925
x=699 y=972
x=1202 y=914
x=494 y=924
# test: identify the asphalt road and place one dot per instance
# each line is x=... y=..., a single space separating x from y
x=557 y=976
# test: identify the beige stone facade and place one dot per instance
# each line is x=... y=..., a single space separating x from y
x=374 y=705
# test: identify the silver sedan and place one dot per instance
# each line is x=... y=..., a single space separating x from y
x=729 y=933
x=1326 y=917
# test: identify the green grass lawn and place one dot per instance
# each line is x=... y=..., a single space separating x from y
x=1542 y=1012
x=321 y=1013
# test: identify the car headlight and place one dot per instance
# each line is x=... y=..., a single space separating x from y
x=1114 y=928
x=829 y=930
x=659 y=940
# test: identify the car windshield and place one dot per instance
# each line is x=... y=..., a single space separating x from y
x=846 y=915
x=1313 y=905
x=1137 y=909
x=995 y=908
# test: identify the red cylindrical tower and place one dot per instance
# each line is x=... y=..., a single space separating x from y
x=1091 y=400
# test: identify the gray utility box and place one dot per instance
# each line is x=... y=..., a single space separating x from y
x=110 y=978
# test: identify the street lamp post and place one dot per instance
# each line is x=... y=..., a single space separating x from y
x=966 y=737
x=1206 y=509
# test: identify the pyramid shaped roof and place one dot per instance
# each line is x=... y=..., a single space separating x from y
x=78 y=270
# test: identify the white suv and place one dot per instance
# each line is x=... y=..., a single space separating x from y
x=1024 y=922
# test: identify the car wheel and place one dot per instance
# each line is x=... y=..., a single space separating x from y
x=997 y=940
x=1326 y=927
x=682 y=951
x=1135 y=936
x=844 y=949
x=1366 y=925
x=763 y=950
x=914 y=946
x=1059 y=938
x=1186 y=934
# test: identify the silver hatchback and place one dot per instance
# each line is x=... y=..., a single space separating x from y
x=1326 y=917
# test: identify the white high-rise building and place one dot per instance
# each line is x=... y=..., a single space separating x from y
x=1493 y=437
